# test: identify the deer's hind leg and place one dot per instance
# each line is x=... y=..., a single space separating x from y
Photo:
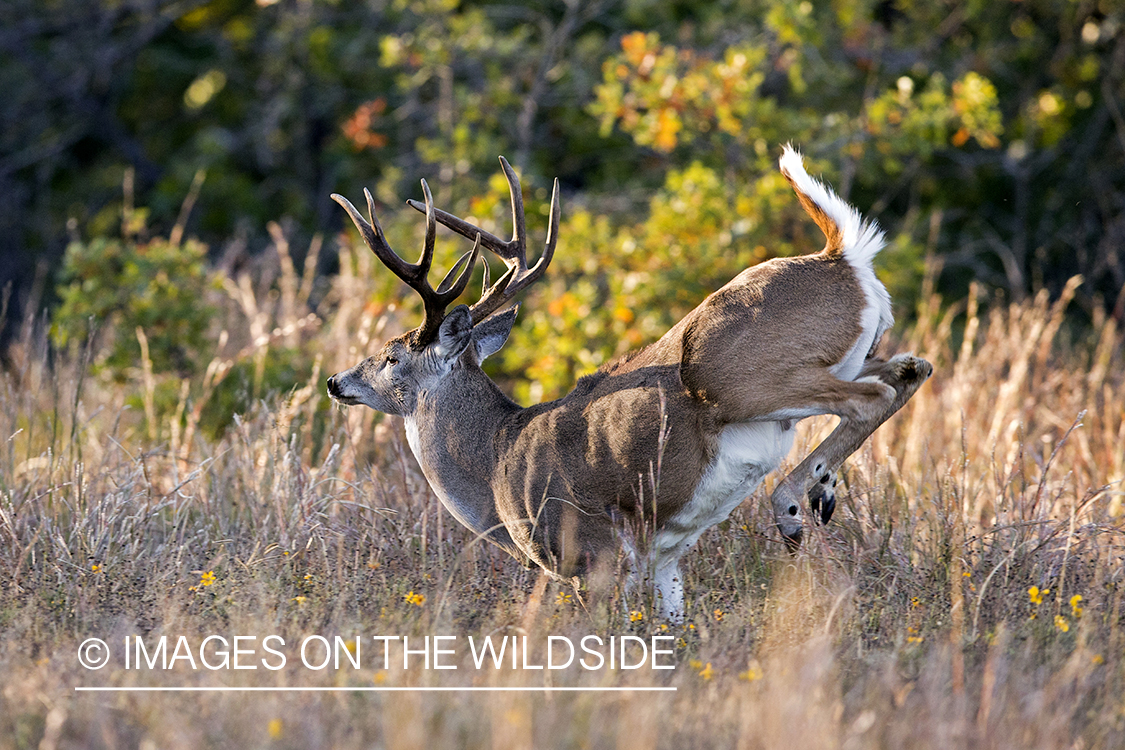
x=815 y=476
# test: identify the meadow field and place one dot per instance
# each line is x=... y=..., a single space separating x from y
x=968 y=592
x=198 y=549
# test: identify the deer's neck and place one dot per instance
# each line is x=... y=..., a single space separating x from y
x=452 y=434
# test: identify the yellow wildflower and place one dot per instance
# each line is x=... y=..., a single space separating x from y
x=707 y=673
x=563 y=598
x=1061 y=623
x=753 y=672
x=1036 y=595
x=1075 y=605
x=207 y=578
x=718 y=615
x=274 y=728
x=416 y=599
x=636 y=616
x=96 y=568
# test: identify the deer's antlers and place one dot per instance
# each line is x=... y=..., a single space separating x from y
x=513 y=252
x=415 y=275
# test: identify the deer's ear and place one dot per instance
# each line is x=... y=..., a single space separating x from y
x=491 y=333
x=455 y=333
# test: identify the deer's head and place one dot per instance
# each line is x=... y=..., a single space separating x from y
x=420 y=360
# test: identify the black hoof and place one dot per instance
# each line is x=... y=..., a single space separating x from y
x=822 y=497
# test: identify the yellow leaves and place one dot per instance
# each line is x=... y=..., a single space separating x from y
x=976 y=103
x=668 y=125
x=557 y=306
x=663 y=95
x=908 y=119
x=638 y=46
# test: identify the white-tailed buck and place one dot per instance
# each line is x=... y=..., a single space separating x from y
x=712 y=403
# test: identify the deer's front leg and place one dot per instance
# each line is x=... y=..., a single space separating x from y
x=905 y=373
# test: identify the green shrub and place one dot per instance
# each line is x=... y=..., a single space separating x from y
x=122 y=285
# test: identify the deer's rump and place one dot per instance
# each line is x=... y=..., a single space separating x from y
x=746 y=349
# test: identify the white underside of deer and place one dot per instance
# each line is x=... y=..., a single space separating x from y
x=747 y=453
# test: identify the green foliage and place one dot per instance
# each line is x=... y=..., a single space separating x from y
x=113 y=287
x=984 y=138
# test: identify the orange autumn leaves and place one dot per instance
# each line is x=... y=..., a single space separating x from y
x=663 y=95
x=358 y=128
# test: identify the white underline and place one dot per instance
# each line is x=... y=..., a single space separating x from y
x=375 y=689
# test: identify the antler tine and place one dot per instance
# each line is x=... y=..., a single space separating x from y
x=455 y=288
x=431 y=233
x=373 y=235
x=517 y=248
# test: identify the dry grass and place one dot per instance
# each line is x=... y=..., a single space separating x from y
x=907 y=622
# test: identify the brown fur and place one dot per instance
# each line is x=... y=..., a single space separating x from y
x=762 y=343
x=554 y=483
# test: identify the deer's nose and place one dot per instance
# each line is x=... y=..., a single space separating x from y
x=333 y=387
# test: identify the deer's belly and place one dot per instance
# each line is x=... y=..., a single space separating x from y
x=747 y=453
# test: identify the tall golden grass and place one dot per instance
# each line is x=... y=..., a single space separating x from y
x=937 y=610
